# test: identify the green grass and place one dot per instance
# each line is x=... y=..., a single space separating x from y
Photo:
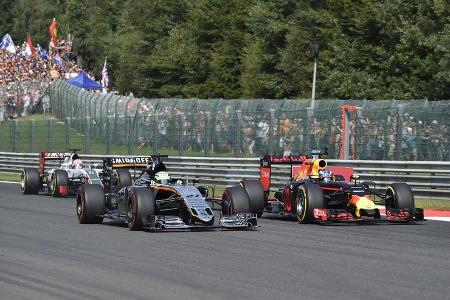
x=10 y=177
x=433 y=204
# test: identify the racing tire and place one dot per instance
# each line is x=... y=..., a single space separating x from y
x=30 y=181
x=90 y=204
x=59 y=178
x=399 y=195
x=235 y=201
x=309 y=197
x=122 y=178
x=141 y=204
x=255 y=194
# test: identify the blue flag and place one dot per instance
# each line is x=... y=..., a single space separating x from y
x=42 y=53
x=7 y=43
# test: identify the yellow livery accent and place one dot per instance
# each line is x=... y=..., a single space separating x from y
x=363 y=203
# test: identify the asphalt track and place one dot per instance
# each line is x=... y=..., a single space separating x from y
x=46 y=254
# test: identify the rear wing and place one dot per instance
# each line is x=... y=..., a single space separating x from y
x=125 y=162
x=265 y=169
x=302 y=166
x=136 y=162
x=44 y=156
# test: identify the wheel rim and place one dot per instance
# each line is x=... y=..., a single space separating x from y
x=22 y=182
x=300 y=205
x=53 y=184
x=79 y=209
x=132 y=208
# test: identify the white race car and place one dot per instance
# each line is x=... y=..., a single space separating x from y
x=59 y=181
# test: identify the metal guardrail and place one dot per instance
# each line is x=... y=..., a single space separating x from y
x=430 y=180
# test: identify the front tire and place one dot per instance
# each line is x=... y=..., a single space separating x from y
x=59 y=179
x=399 y=195
x=255 y=194
x=90 y=204
x=141 y=204
x=30 y=181
x=309 y=197
x=235 y=201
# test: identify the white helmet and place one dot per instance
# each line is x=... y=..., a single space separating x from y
x=326 y=175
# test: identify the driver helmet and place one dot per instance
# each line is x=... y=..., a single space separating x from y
x=162 y=177
x=155 y=166
x=77 y=164
x=326 y=175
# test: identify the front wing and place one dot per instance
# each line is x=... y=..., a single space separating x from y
x=237 y=221
x=405 y=215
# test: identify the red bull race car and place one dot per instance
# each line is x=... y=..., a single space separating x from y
x=157 y=201
x=59 y=181
x=317 y=193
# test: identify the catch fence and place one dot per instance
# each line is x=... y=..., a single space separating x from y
x=377 y=130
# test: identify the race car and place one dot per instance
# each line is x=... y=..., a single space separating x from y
x=317 y=193
x=157 y=201
x=61 y=181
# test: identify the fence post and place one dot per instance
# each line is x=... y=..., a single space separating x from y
x=398 y=143
x=14 y=135
x=67 y=134
x=32 y=133
x=49 y=134
x=236 y=132
x=271 y=132
x=180 y=134
x=130 y=132
x=108 y=136
x=87 y=128
x=155 y=133
x=206 y=138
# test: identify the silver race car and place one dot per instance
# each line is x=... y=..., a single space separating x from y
x=158 y=201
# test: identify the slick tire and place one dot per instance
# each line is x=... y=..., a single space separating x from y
x=141 y=204
x=30 y=181
x=255 y=194
x=235 y=201
x=309 y=197
x=59 y=178
x=122 y=178
x=90 y=204
x=399 y=195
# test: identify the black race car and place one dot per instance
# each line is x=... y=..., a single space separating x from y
x=320 y=194
x=158 y=201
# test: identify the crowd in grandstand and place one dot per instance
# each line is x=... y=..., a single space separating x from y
x=374 y=137
x=24 y=78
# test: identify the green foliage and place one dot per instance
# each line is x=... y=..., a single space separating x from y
x=252 y=48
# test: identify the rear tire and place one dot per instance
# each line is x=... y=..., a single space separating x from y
x=30 y=181
x=90 y=204
x=399 y=195
x=122 y=178
x=309 y=197
x=59 y=179
x=141 y=204
x=255 y=194
x=235 y=201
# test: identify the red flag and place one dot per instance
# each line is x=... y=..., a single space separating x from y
x=30 y=49
x=53 y=28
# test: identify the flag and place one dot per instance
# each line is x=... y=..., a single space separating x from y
x=42 y=53
x=105 y=78
x=53 y=29
x=29 y=50
x=8 y=44
x=57 y=59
